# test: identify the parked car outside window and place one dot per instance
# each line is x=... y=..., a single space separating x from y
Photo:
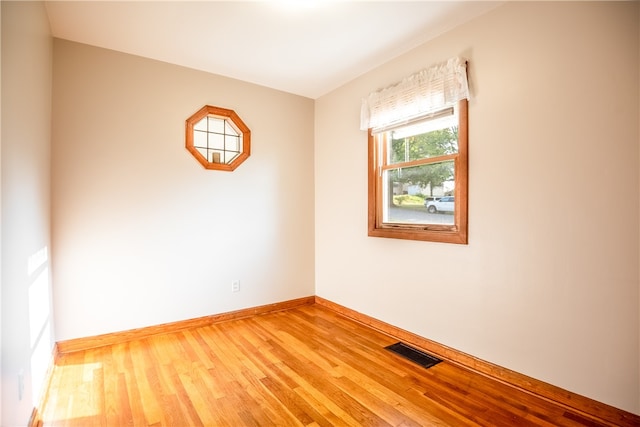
x=444 y=204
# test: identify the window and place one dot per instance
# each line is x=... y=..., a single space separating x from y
x=218 y=138
x=418 y=171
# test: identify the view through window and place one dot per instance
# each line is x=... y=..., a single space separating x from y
x=419 y=171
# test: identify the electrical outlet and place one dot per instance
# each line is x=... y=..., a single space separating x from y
x=235 y=286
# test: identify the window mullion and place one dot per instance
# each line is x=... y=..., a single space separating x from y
x=418 y=162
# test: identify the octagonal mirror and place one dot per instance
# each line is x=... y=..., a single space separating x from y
x=218 y=138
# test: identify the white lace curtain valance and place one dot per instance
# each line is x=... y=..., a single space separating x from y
x=417 y=95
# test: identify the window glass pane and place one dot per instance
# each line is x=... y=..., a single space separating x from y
x=201 y=125
x=216 y=141
x=203 y=151
x=407 y=146
x=419 y=194
x=230 y=156
x=216 y=125
x=229 y=129
x=200 y=139
x=232 y=143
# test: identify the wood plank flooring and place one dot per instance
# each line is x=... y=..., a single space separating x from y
x=306 y=366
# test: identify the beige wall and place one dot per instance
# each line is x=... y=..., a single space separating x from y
x=26 y=132
x=549 y=283
x=143 y=234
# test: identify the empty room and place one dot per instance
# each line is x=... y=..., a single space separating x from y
x=320 y=213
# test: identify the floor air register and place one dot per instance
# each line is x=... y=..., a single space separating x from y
x=413 y=354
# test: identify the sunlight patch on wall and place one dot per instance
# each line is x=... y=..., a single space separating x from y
x=39 y=320
x=36 y=260
x=39 y=305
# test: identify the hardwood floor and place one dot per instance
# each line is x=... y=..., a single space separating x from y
x=304 y=366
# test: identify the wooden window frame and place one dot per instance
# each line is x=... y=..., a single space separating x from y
x=221 y=113
x=456 y=233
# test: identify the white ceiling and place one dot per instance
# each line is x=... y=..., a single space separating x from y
x=303 y=47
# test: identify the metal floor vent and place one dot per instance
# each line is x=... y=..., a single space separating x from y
x=413 y=354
